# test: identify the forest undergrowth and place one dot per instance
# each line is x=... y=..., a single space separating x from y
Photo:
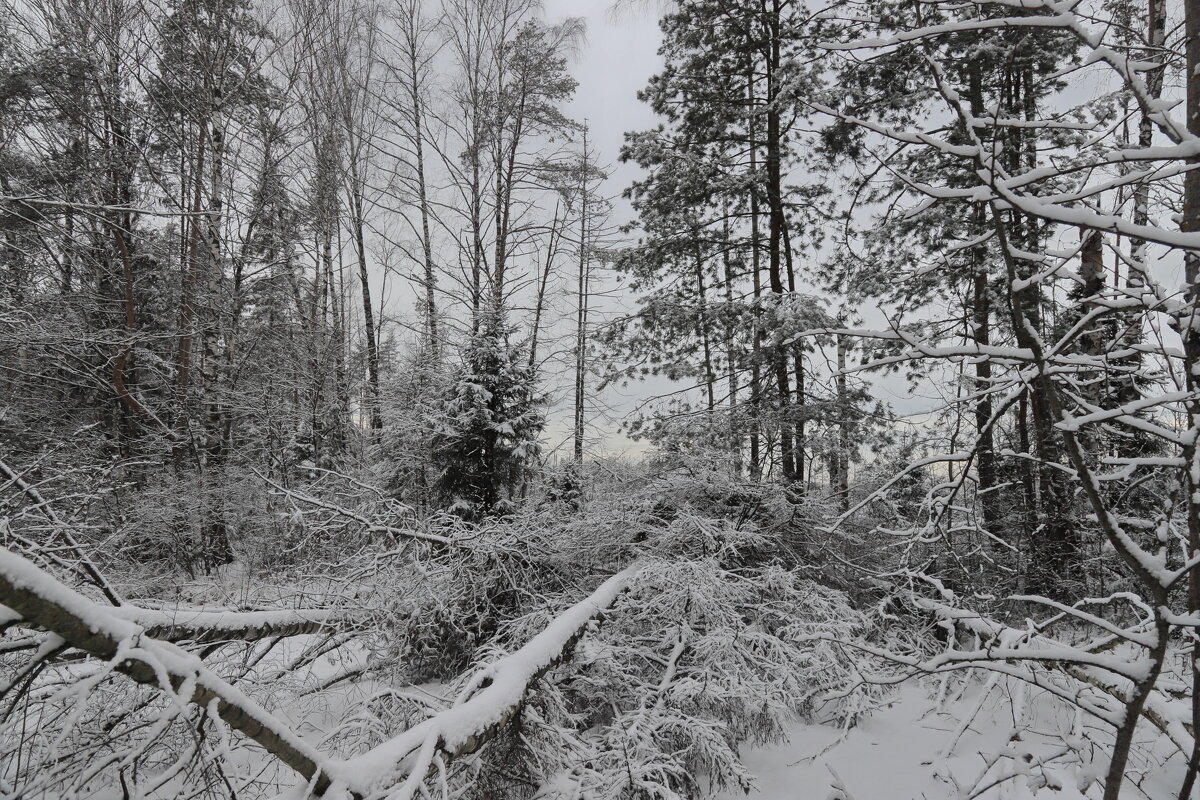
x=720 y=636
x=728 y=628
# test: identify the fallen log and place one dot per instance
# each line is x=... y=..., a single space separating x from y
x=494 y=695
x=41 y=599
x=204 y=626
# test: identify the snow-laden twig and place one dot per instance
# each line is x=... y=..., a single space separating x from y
x=368 y=525
x=86 y=563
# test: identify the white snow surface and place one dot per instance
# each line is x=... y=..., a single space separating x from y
x=909 y=750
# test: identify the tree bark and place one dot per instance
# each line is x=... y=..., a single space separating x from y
x=756 y=277
x=581 y=304
x=735 y=440
x=776 y=223
x=845 y=443
x=356 y=203
x=412 y=43
x=1189 y=319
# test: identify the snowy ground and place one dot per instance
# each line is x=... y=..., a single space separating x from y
x=909 y=751
x=929 y=741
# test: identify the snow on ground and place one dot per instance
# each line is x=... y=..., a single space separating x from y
x=907 y=750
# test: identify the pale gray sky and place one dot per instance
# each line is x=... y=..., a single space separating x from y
x=616 y=60
x=619 y=56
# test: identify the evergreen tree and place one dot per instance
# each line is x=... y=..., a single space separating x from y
x=485 y=437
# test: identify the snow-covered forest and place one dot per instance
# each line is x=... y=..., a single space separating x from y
x=369 y=431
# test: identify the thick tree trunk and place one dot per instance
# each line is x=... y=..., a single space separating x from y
x=216 y=547
x=776 y=222
x=800 y=452
x=187 y=300
x=1156 y=35
x=214 y=275
x=987 y=488
x=985 y=447
x=1188 y=322
x=356 y=203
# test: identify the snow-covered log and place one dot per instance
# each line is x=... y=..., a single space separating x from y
x=491 y=699
x=40 y=599
x=205 y=625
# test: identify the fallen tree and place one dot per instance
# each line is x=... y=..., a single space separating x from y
x=123 y=638
x=42 y=600
x=493 y=696
x=202 y=626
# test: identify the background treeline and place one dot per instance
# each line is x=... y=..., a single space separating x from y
x=816 y=167
x=244 y=237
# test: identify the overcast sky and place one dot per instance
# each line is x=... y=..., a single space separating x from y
x=619 y=56
x=616 y=60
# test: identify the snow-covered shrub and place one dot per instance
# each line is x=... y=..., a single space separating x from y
x=693 y=660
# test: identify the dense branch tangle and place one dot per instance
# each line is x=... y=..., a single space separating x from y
x=123 y=640
x=1112 y=397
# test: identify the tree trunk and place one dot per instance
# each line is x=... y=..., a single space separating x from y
x=581 y=300
x=756 y=277
x=845 y=442
x=418 y=137
x=356 y=203
x=735 y=442
x=981 y=324
x=1187 y=322
x=775 y=218
x=556 y=234
x=1156 y=35
x=710 y=376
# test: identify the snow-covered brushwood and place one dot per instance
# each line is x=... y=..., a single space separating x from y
x=712 y=643
x=491 y=697
x=1096 y=683
x=695 y=658
x=124 y=646
x=708 y=643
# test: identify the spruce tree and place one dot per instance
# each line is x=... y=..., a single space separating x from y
x=486 y=431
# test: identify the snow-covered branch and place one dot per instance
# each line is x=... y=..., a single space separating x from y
x=495 y=693
x=126 y=646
